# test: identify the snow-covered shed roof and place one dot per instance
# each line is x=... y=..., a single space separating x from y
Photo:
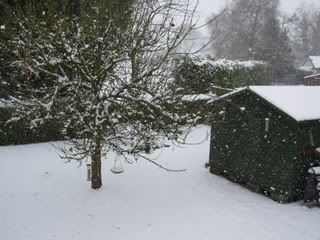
x=315 y=61
x=302 y=103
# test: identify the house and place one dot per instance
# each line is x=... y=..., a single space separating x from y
x=265 y=138
x=312 y=64
x=312 y=80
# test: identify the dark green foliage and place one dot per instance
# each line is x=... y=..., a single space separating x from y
x=19 y=132
x=42 y=17
x=238 y=29
x=254 y=30
x=197 y=111
x=192 y=78
x=269 y=160
x=274 y=48
x=203 y=75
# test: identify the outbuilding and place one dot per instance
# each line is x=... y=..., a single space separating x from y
x=265 y=138
x=312 y=80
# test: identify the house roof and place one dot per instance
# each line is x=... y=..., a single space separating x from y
x=315 y=61
x=311 y=63
x=302 y=103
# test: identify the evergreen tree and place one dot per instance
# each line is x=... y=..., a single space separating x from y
x=273 y=47
x=238 y=29
x=252 y=30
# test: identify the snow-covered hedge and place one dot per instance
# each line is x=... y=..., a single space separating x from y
x=201 y=75
x=19 y=132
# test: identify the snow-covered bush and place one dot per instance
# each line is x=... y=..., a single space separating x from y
x=19 y=132
x=203 y=75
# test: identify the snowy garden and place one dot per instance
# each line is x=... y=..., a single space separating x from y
x=148 y=120
x=43 y=198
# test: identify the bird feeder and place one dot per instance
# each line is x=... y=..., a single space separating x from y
x=89 y=170
x=116 y=169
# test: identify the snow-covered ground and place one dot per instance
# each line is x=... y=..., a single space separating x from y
x=42 y=198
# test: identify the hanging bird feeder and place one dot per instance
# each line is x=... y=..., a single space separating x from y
x=117 y=169
x=89 y=172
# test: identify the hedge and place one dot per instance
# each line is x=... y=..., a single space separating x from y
x=202 y=75
x=19 y=132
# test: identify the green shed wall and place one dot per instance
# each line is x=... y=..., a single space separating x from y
x=270 y=161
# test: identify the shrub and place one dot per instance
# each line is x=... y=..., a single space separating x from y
x=202 y=75
x=19 y=132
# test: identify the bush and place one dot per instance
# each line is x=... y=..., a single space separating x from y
x=202 y=75
x=19 y=132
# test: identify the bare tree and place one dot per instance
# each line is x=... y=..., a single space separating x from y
x=106 y=79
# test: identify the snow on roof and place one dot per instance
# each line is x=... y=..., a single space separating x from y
x=315 y=61
x=314 y=75
x=300 y=102
x=228 y=94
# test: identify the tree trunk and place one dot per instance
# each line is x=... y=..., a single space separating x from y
x=96 y=179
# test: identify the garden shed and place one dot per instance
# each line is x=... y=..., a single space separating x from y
x=265 y=138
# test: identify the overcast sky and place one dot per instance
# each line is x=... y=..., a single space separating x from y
x=207 y=7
